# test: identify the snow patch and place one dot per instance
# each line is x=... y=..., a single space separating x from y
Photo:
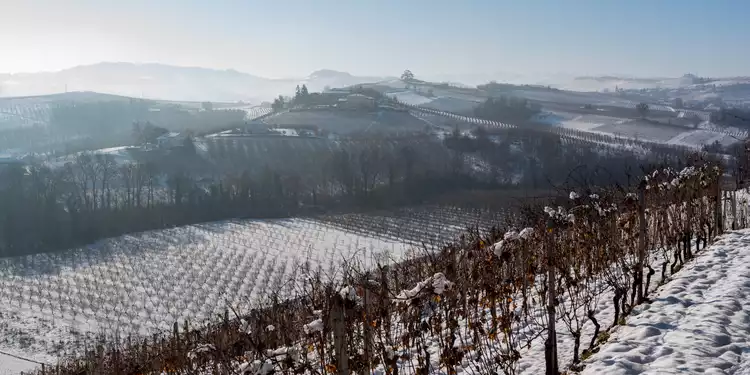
x=698 y=323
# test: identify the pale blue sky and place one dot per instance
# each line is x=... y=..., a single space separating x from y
x=378 y=37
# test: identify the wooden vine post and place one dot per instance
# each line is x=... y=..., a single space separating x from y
x=733 y=197
x=550 y=346
x=719 y=201
x=641 y=239
x=338 y=322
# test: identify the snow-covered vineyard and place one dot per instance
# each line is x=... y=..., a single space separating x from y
x=141 y=284
x=478 y=306
x=56 y=304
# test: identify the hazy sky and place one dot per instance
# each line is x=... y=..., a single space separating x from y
x=295 y=37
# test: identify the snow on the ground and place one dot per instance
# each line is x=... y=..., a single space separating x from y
x=699 y=322
x=120 y=155
x=410 y=97
x=641 y=130
x=590 y=122
x=142 y=283
x=696 y=138
x=11 y=365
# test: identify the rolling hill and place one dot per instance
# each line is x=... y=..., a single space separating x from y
x=157 y=81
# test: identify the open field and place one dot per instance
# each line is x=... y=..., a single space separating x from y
x=442 y=99
x=650 y=131
x=10 y=365
x=641 y=130
x=455 y=105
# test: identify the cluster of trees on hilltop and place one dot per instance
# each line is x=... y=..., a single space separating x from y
x=303 y=97
x=506 y=109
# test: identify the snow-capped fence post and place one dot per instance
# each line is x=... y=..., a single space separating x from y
x=368 y=341
x=641 y=239
x=338 y=322
x=550 y=346
x=687 y=252
x=176 y=337
x=733 y=197
x=719 y=201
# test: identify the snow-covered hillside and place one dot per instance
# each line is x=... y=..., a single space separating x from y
x=699 y=322
x=641 y=130
x=10 y=365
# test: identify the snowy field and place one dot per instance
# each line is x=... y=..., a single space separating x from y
x=702 y=137
x=699 y=322
x=120 y=155
x=252 y=112
x=443 y=100
x=582 y=98
x=141 y=284
x=410 y=97
x=450 y=104
x=579 y=122
x=637 y=129
x=11 y=365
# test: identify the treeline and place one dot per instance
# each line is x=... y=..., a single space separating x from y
x=93 y=197
x=527 y=158
x=43 y=209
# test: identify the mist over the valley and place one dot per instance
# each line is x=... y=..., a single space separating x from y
x=165 y=82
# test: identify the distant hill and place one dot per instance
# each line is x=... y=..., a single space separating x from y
x=157 y=81
x=594 y=83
